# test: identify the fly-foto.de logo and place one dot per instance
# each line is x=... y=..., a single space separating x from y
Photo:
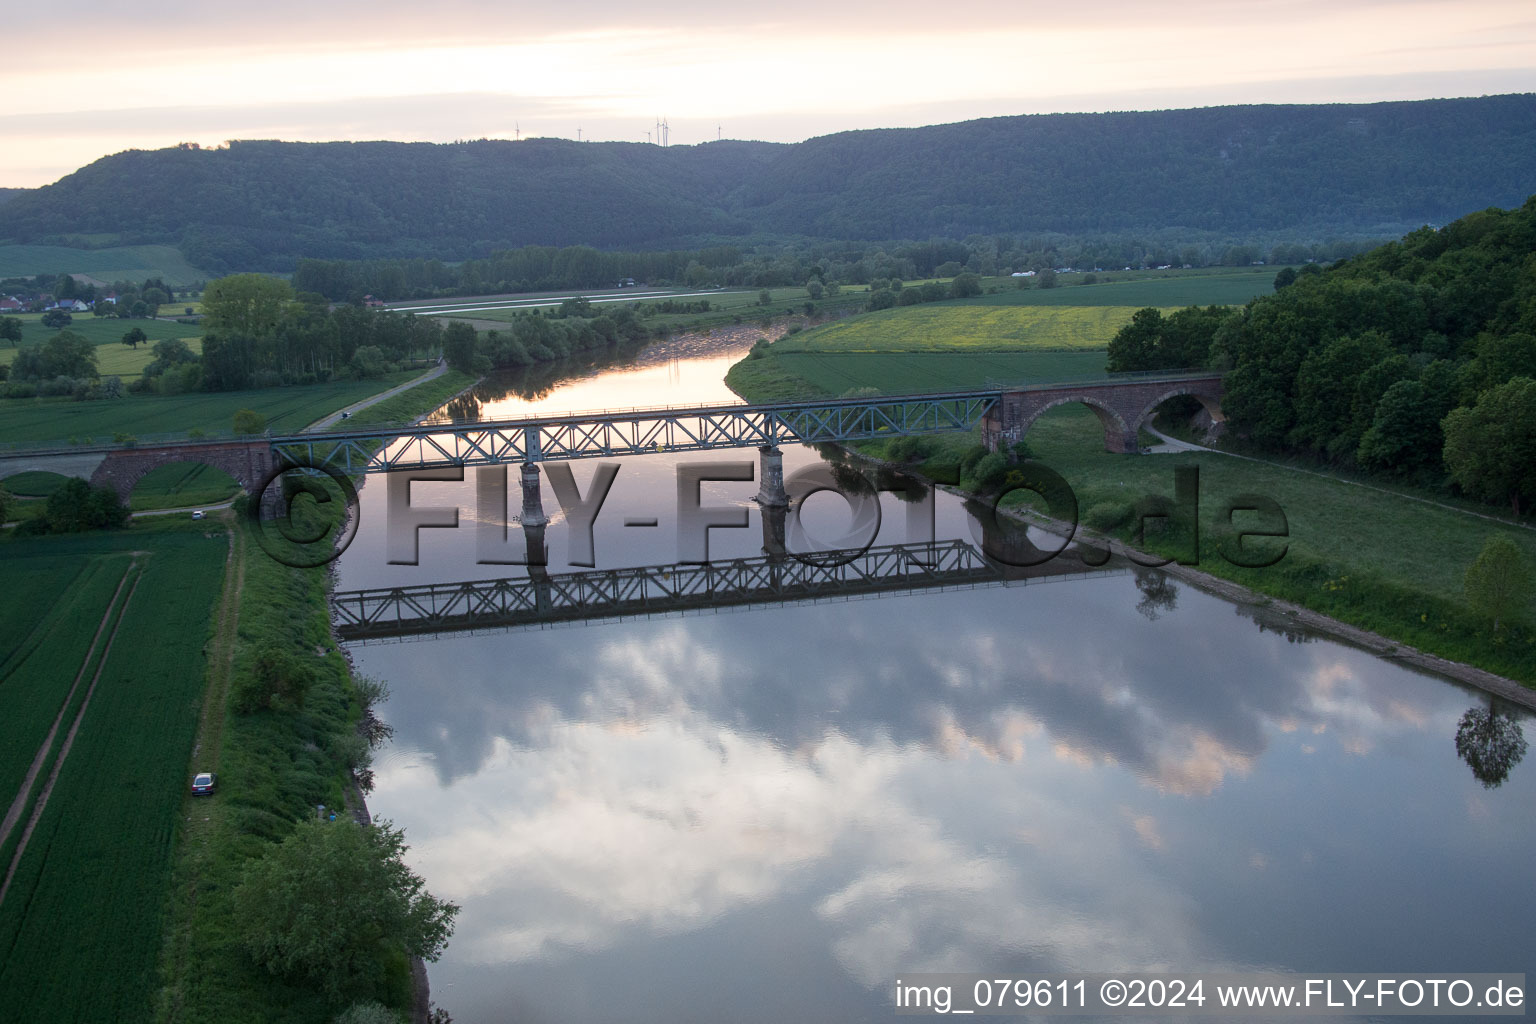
x=1251 y=530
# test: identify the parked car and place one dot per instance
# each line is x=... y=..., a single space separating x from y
x=204 y=783
x=198 y=514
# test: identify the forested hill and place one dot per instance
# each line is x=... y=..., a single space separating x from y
x=1323 y=170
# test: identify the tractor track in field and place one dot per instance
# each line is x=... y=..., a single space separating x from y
x=18 y=805
x=69 y=738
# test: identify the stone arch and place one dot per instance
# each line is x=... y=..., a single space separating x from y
x=179 y=470
x=1118 y=435
x=1209 y=399
x=81 y=464
x=245 y=461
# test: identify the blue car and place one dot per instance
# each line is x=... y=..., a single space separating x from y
x=204 y=783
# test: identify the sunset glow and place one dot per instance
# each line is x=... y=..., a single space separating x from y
x=472 y=71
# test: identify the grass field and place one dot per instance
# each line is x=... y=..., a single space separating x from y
x=122 y=263
x=965 y=327
x=82 y=921
x=286 y=409
x=814 y=374
x=34 y=485
x=106 y=333
x=181 y=484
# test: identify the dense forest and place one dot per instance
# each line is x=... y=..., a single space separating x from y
x=1416 y=360
x=1239 y=173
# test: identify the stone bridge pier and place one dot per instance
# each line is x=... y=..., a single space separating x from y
x=248 y=462
x=1122 y=408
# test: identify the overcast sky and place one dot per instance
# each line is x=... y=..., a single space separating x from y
x=103 y=80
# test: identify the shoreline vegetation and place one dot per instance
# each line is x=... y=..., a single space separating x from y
x=293 y=727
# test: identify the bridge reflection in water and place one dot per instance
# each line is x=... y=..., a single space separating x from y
x=540 y=599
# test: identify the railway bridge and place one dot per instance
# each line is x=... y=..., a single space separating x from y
x=1004 y=414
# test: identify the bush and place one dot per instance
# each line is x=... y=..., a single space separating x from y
x=57 y=387
x=249 y=421
x=368 y=1013
x=990 y=471
x=1107 y=515
x=965 y=286
x=77 y=506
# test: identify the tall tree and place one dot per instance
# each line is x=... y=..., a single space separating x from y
x=1498 y=583
x=248 y=304
x=326 y=905
x=1490 y=448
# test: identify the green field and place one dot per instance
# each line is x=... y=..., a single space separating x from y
x=814 y=374
x=82 y=921
x=106 y=333
x=144 y=416
x=37 y=484
x=965 y=327
x=122 y=263
x=180 y=485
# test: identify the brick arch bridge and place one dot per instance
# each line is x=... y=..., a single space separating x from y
x=1121 y=406
x=246 y=461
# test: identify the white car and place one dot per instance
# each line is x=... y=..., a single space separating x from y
x=198 y=514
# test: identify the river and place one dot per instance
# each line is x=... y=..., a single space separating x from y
x=772 y=814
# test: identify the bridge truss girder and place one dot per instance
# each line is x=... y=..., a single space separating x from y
x=635 y=433
x=658 y=589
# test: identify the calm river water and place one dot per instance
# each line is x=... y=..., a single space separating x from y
x=770 y=815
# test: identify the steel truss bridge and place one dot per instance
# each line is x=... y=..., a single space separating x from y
x=540 y=600
x=635 y=432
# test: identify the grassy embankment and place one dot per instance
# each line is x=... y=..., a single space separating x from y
x=275 y=763
x=105 y=633
x=1387 y=560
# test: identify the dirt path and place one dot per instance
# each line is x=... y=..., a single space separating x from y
x=69 y=741
x=325 y=422
x=1173 y=444
x=193 y=840
x=18 y=805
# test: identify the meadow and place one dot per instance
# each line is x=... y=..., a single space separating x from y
x=106 y=333
x=815 y=374
x=118 y=263
x=965 y=327
x=82 y=918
